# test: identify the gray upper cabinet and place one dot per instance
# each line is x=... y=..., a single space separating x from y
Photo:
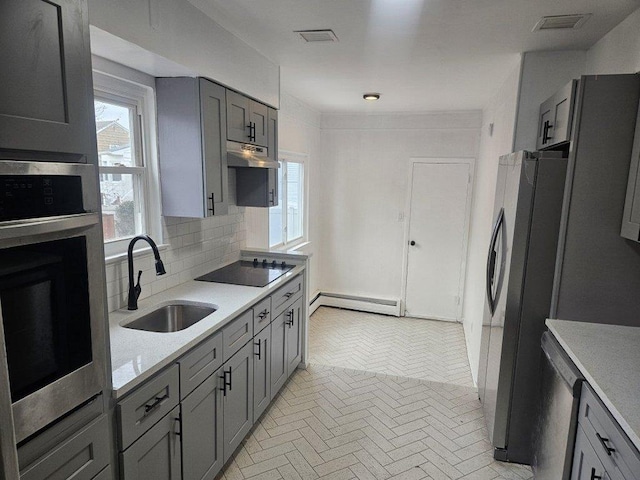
x=247 y=120
x=238 y=117
x=202 y=453
x=272 y=135
x=259 y=118
x=556 y=117
x=237 y=401
x=157 y=453
x=631 y=216
x=46 y=95
x=257 y=187
x=192 y=124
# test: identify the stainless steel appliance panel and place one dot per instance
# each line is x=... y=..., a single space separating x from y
x=37 y=409
x=530 y=200
x=556 y=429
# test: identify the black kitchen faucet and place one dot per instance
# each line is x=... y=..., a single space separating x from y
x=134 y=290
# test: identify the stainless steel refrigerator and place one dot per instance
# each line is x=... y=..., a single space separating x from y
x=520 y=270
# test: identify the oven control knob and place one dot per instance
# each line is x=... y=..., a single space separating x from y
x=255 y=262
x=264 y=262
x=283 y=264
x=273 y=264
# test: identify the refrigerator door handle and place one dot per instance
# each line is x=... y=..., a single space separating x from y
x=491 y=260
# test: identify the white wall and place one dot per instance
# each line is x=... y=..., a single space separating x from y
x=177 y=31
x=362 y=191
x=619 y=50
x=298 y=132
x=501 y=113
x=543 y=73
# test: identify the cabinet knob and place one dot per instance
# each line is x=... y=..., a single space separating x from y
x=412 y=243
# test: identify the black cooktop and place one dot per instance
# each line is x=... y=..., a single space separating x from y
x=252 y=274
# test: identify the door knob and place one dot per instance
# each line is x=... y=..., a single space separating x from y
x=412 y=243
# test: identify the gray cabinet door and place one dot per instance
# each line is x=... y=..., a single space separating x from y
x=257 y=187
x=238 y=117
x=631 y=217
x=46 y=94
x=259 y=118
x=237 y=398
x=272 y=134
x=278 y=354
x=556 y=117
x=82 y=457
x=261 y=372
x=192 y=147
x=202 y=451
x=586 y=465
x=294 y=336
x=156 y=454
x=214 y=147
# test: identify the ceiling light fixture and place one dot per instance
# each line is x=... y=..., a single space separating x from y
x=371 y=96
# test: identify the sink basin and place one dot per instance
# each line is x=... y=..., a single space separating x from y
x=171 y=318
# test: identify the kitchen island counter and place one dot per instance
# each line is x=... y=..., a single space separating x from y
x=608 y=356
x=136 y=355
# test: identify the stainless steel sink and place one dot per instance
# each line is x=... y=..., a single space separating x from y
x=171 y=318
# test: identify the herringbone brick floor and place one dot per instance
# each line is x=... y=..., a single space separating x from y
x=336 y=423
x=406 y=347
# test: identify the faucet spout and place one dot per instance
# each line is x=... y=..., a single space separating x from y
x=135 y=290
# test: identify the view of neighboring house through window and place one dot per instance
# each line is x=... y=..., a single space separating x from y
x=121 y=166
x=286 y=221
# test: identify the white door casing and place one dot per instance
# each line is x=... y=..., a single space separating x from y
x=438 y=206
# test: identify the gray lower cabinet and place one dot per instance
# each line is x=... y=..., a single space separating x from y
x=156 y=454
x=278 y=354
x=202 y=443
x=237 y=400
x=45 y=99
x=192 y=130
x=82 y=457
x=586 y=465
x=294 y=338
x=261 y=372
x=602 y=449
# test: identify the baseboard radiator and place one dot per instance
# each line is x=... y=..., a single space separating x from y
x=352 y=302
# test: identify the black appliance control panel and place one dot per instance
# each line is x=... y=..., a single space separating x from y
x=34 y=196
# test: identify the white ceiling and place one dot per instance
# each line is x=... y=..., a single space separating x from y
x=421 y=55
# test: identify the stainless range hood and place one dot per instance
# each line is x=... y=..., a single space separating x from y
x=243 y=155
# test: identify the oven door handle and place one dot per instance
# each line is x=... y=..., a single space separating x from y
x=42 y=226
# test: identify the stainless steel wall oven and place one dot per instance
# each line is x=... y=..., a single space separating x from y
x=51 y=301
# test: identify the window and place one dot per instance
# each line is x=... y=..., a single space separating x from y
x=287 y=220
x=123 y=132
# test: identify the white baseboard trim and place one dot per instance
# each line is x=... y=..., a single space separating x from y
x=362 y=304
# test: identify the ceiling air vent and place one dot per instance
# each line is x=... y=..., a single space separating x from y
x=561 y=22
x=317 y=35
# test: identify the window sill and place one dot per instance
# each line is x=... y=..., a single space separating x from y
x=299 y=244
x=137 y=252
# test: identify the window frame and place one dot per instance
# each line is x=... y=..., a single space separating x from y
x=285 y=157
x=118 y=90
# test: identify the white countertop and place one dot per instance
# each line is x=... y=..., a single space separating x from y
x=609 y=358
x=136 y=355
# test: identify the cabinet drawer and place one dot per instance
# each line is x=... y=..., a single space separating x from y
x=139 y=411
x=237 y=334
x=286 y=295
x=261 y=315
x=602 y=431
x=197 y=365
x=81 y=458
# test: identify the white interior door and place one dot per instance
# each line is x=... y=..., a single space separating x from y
x=440 y=200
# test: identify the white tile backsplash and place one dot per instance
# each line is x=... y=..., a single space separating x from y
x=196 y=246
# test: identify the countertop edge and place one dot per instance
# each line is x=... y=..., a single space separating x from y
x=120 y=392
x=635 y=439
